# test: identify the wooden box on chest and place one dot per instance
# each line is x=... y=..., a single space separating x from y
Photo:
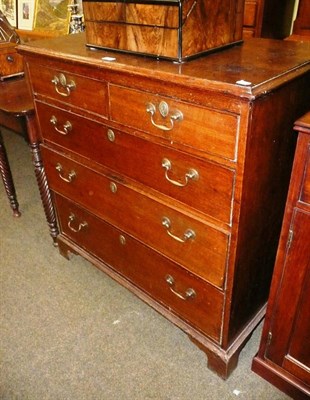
x=175 y=29
x=172 y=178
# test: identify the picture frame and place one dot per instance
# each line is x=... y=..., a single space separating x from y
x=25 y=13
x=9 y=9
x=51 y=15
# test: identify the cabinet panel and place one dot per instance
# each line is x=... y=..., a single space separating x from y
x=289 y=326
x=305 y=188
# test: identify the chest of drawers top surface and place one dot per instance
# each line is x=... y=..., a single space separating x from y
x=246 y=70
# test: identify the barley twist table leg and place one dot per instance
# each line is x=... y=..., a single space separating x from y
x=44 y=191
x=7 y=178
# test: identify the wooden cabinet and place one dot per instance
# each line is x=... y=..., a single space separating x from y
x=172 y=178
x=269 y=18
x=253 y=18
x=301 y=28
x=284 y=354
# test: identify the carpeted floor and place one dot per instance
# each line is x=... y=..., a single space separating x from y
x=68 y=332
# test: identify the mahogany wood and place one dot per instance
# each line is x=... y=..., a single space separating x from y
x=96 y=125
x=284 y=354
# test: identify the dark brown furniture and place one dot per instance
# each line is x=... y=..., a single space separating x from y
x=17 y=115
x=267 y=18
x=11 y=63
x=15 y=107
x=172 y=178
x=284 y=354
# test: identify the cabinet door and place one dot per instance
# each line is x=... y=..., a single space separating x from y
x=289 y=344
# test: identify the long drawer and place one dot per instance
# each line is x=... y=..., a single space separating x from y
x=185 y=295
x=212 y=131
x=84 y=93
x=203 y=185
x=200 y=248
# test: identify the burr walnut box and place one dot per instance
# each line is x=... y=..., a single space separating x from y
x=173 y=29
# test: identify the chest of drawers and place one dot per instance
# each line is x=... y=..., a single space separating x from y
x=172 y=178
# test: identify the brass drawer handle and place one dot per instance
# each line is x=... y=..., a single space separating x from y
x=165 y=113
x=192 y=174
x=82 y=225
x=189 y=293
x=61 y=86
x=188 y=234
x=71 y=175
x=67 y=126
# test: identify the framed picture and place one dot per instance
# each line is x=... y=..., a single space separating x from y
x=25 y=11
x=51 y=15
x=9 y=9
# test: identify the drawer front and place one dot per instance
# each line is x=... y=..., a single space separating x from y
x=198 y=247
x=201 y=304
x=212 y=132
x=85 y=93
x=200 y=184
x=136 y=14
x=250 y=12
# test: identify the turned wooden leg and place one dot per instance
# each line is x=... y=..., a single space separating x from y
x=7 y=178
x=44 y=191
x=34 y=143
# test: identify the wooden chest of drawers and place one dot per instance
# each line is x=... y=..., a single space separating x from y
x=172 y=178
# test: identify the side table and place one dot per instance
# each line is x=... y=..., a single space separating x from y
x=17 y=114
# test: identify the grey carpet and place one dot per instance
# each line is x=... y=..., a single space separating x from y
x=69 y=332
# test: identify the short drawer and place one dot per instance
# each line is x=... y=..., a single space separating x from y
x=75 y=90
x=250 y=12
x=213 y=132
x=203 y=185
x=199 y=247
x=190 y=298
